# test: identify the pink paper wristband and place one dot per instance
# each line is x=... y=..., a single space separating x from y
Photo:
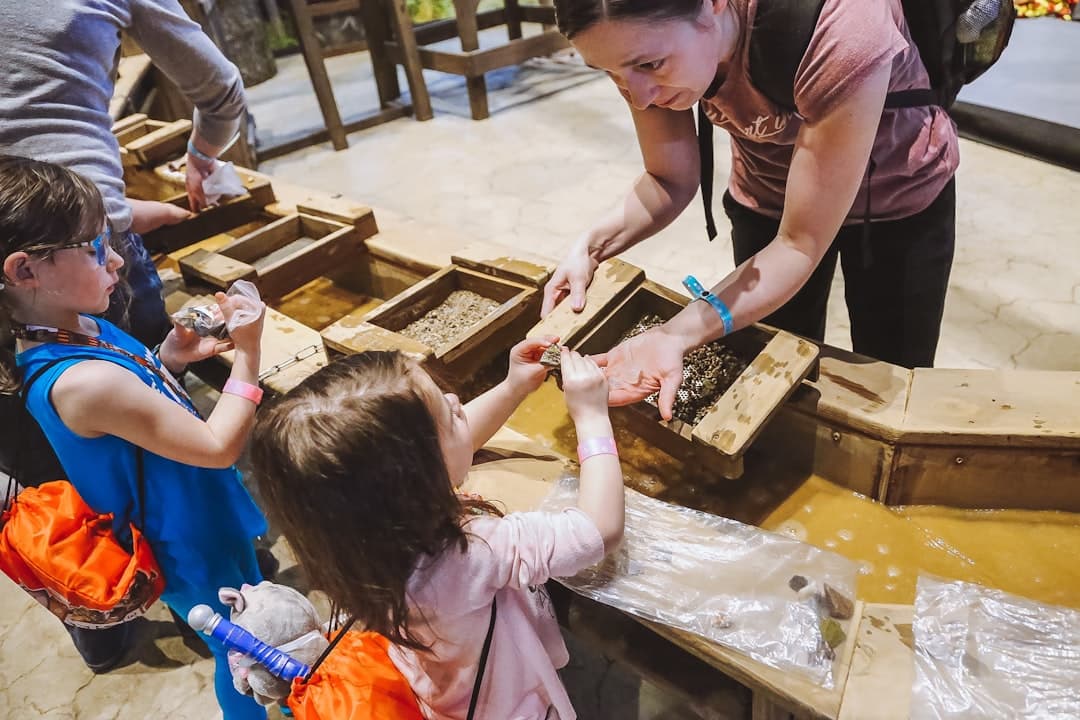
x=245 y=390
x=596 y=446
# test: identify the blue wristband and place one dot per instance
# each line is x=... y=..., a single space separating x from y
x=700 y=293
x=196 y=152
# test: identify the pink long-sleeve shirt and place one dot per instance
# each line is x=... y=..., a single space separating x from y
x=508 y=559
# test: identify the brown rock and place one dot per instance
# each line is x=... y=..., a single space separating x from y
x=837 y=604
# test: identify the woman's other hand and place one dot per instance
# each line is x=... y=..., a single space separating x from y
x=571 y=277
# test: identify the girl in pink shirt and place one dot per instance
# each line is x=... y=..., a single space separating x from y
x=359 y=466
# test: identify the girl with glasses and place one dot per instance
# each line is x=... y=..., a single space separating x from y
x=102 y=395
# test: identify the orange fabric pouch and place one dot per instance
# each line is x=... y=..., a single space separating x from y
x=65 y=555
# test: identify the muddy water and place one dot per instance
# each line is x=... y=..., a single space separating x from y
x=322 y=302
x=1033 y=554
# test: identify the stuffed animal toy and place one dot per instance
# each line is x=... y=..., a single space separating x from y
x=279 y=616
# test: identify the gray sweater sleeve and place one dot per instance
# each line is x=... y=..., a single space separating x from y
x=181 y=50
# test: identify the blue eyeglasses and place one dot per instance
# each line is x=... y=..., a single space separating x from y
x=101 y=244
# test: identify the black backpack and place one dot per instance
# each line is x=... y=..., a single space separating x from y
x=783 y=29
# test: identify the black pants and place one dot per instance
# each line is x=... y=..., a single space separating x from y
x=895 y=282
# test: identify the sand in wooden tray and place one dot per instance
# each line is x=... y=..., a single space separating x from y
x=461 y=310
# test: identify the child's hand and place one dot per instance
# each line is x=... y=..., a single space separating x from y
x=526 y=373
x=182 y=346
x=245 y=337
x=148 y=215
x=586 y=388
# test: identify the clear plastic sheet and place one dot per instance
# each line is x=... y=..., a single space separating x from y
x=983 y=653
x=734 y=584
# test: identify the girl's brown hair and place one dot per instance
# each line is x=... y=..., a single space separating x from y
x=577 y=16
x=349 y=466
x=42 y=205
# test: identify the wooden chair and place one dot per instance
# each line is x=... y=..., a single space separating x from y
x=471 y=62
x=376 y=25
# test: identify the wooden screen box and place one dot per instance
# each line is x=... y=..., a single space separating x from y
x=145 y=142
x=489 y=323
x=277 y=258
x=776 y=362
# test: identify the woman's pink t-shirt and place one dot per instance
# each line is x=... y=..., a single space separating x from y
x=507 y=559
x=916 y=151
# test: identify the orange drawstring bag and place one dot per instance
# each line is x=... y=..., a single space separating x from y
x=357 y=682
x=362 y=683
x=62 y=552
x=65 y=555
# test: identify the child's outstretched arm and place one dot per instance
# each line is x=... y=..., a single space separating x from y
x=97 y=397
x=601 y=494
x=490 y=411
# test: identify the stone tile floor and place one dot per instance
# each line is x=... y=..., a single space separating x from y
x=534 y=175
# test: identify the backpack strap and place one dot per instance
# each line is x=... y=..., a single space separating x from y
x=139 y=453
x=705 y=162
x=483 y=664
x=779 y=38
x=330 y=648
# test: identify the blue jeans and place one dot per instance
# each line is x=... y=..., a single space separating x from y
x=137 y=305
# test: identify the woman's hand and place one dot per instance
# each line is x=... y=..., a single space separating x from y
x=526 y=373
x=586 y=390
x=644 y=364
x=197 y=171
x=149 y=215
x=573 y=275
x=182 y=346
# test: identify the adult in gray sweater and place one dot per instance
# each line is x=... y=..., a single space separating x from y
x=58 y=63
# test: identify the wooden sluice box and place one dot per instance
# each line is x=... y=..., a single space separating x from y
x=279 y=257
x=165 y=183
x=456 y=319
x=145 y=142
x=763 y=367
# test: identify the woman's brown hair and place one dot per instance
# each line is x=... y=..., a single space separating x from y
x=349 y=466
x=577 y=16
x=42 y=205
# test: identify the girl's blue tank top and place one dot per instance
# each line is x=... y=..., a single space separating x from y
x=184 y=503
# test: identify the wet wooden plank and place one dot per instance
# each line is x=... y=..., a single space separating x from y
x=1003 y=408
x=739 y=415
x=614 y=280
x=883 y=665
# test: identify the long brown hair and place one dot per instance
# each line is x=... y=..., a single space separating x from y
x=349 y=466
x=42 y=205
x=577 y=16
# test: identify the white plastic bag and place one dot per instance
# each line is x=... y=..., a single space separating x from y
x=207 y=320
x=728 y=582
x=983 y=653
x=224 y=181
x=250 y=306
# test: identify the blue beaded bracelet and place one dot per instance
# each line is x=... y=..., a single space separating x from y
x=695 y=288
x=196 y=152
